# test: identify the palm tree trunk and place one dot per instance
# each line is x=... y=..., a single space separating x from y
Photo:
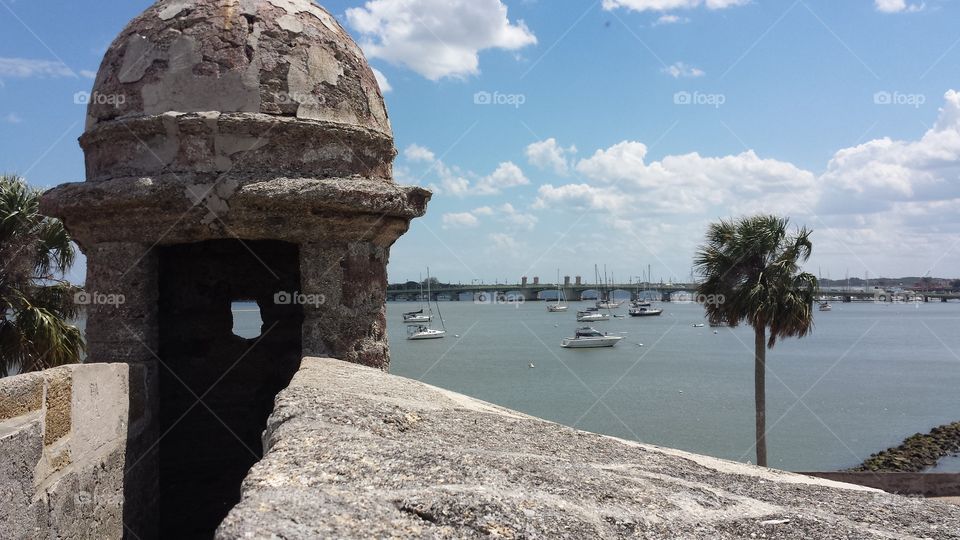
x=760 y=392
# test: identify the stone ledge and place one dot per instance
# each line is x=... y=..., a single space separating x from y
x=356 y=453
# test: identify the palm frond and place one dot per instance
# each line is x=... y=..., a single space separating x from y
x=754 y=263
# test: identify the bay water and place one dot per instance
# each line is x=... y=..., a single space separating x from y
x=867 y=377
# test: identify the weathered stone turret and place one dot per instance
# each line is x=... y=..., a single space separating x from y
x=236 y=150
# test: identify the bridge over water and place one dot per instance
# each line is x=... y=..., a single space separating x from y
x=543 y=291
x=649 y=291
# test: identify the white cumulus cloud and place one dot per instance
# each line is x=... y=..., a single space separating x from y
x=882 y=173
x=382 y=81
x=458 y=220
x=624 y=185
x=548 y=154
x=897 y=6
x=669 y=5
x=418 y=153
x=454 y=181
x=24 y=68
x=507 y=175
x=437 y=38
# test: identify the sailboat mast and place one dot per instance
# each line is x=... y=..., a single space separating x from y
x=439 y=314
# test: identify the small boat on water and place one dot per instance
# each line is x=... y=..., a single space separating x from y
x=825 y=306
x=592 y=315
x=420 y=331
x=424 y=332
x=589 y=338
x=607 y=304
x=640 y=304
x=698 y=325
x=416 y=317
x=645 y=312
x=558 y=307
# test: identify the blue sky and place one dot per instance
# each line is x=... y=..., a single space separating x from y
x=616 y=131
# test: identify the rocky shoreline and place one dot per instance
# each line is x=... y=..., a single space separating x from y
x=917 y=453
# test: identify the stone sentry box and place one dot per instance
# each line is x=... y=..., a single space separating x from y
x=235 y=150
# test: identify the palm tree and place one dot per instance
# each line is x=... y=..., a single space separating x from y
x=751 y=267
x=36 y=303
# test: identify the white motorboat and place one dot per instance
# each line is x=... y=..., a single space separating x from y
x=592 y=315
x=607 y=304
x=589 y=338
x=645 y=312
x=640 y=304
x=825 y=306
x=424 y=332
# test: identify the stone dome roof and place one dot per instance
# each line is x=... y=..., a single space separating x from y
x=287 y=58
x=215 y=119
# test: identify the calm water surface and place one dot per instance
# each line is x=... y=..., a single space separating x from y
x=869 y=376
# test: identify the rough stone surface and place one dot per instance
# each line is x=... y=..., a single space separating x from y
x=62 y=470
x=57 y=406
x=356 y=453
x=221 y=133
x=21 y=395
x=278 y=57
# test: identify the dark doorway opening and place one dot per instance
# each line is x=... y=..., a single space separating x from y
x=217 y=388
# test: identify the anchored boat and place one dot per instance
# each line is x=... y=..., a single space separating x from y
x=417 y=317
x=589 y=338
x=645 y=312
x=592 y=315
x=424 y=332
x=558 y=307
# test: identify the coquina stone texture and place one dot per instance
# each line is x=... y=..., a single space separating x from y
x=63 y=442
x=355 y=453
x=236 y=151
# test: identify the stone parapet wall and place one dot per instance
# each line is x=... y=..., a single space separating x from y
x=63 y=440
x=903 y=483
x=352 y=452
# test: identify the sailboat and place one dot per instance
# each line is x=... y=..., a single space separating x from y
x=418 y=317
x=558 y=307
x=606 y=300
x=824 y=303
x=423 y=331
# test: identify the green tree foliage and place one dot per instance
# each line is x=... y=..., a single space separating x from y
x=36 y=303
